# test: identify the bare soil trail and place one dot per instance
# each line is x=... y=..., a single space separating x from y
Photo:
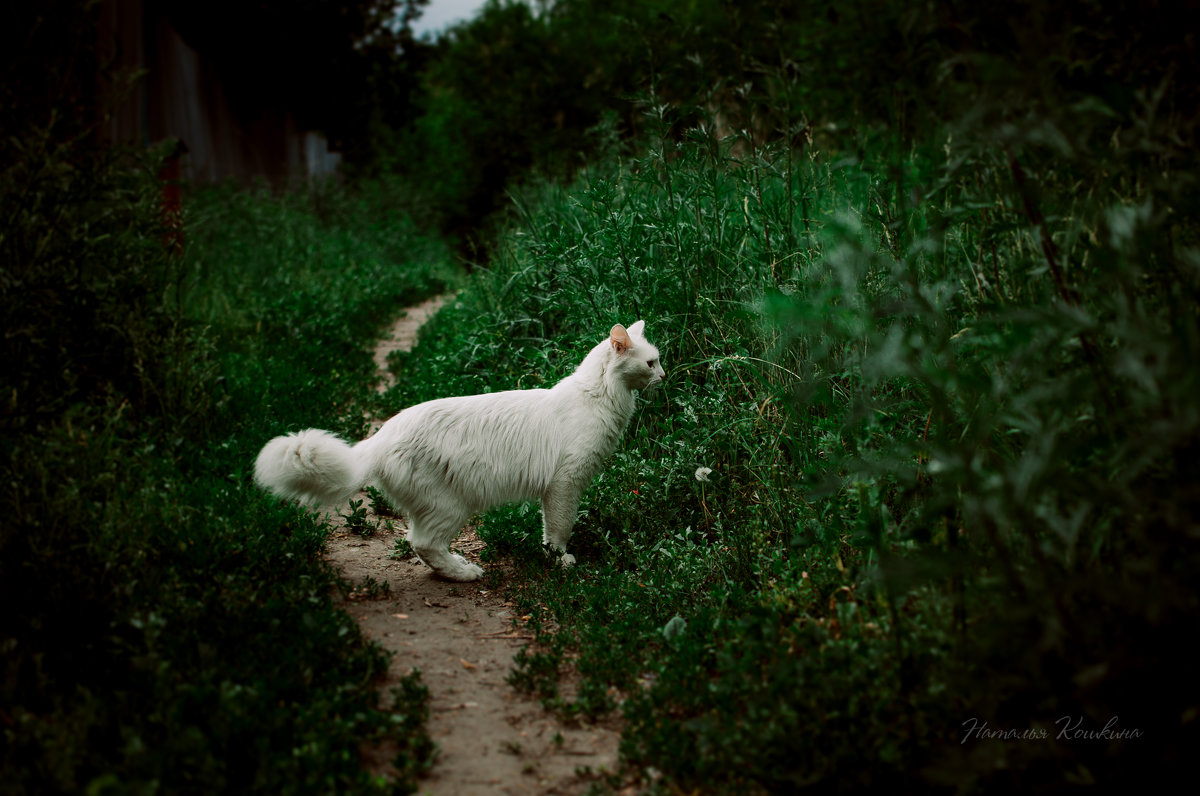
x=462 y=637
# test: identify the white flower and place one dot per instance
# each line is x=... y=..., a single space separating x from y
x=675 y=627
x=702 y=473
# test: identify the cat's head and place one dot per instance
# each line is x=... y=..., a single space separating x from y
x=637 y=362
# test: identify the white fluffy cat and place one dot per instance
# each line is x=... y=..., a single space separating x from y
x=444 y=460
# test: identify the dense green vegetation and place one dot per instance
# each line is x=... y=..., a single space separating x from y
x=928 y=507
x=930 y=321
x=916 y=505
x=170 y=628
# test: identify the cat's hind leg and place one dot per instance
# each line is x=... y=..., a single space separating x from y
x=430 y=536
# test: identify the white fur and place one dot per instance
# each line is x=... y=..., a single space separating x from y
x=444 y=460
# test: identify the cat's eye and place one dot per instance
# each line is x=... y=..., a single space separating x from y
x=649 y=363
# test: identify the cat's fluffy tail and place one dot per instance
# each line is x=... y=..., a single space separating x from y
x=312 y=466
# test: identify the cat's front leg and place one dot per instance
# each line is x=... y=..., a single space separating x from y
x=559 y=505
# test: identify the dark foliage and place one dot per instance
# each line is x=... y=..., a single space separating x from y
x=168 y=626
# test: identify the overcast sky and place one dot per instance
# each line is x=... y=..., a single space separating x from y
x=440 y=13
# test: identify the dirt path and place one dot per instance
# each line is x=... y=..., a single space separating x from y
x=403 y=335
x=491 y=739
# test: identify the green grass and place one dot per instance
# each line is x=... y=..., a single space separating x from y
x=172 y=628
x=937 y=464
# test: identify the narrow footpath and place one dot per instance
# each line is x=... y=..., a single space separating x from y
x=491 y=739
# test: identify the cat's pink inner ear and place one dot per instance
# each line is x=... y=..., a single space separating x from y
x=620 y=338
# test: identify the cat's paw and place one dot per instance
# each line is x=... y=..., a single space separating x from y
x=464 y=570
x=566 y=560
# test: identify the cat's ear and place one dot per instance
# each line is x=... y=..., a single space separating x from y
x=636 y=329
x=620 y=339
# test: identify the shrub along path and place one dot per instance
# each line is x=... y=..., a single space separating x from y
x=462 y=637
